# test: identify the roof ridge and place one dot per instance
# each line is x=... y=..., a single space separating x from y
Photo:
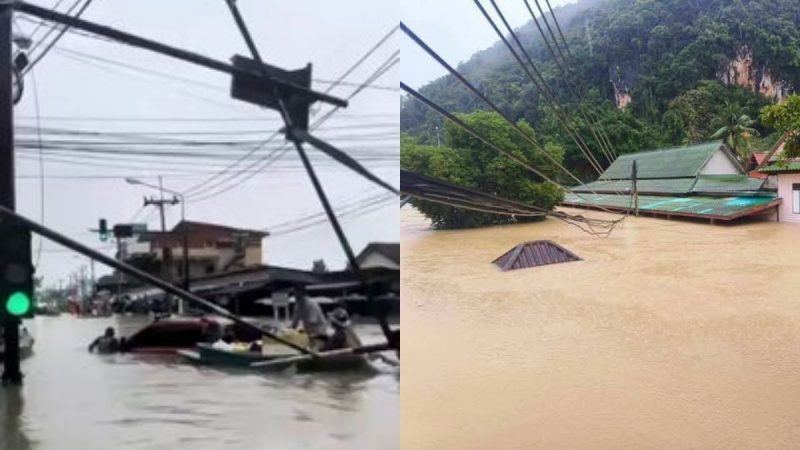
x=677 y=147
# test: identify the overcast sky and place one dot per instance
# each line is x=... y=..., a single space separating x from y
x=455 y=29
x=331 y=35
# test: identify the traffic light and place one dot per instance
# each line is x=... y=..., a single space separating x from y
x=16 y=271
x=103 y=230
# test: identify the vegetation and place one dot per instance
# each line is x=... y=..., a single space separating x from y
x=467 y=162
x=689 y=69
x=736 y=130
x=785 y=117
x=673 y=57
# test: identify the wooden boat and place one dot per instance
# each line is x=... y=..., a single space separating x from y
x=209 y=355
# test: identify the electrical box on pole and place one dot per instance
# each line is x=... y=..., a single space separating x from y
x=123 y=231
x=16 y=271
x=260 y=91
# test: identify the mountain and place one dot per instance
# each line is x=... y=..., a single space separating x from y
x=653 y=72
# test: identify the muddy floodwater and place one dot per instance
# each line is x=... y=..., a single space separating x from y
x=75 y=400
x=669 y=334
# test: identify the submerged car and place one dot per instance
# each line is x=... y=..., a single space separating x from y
x=167 y=335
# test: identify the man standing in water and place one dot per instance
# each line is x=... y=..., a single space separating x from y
x=107 y=343
x=309 y=313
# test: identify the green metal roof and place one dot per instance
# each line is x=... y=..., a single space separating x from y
x=666 y=186
x=779 y=167
x=727 y=183
x=699 y=206
x=673 y=162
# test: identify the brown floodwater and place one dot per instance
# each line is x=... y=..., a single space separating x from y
x=72 y=399
x=668 y=334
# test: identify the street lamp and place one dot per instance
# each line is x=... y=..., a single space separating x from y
x=162 y=189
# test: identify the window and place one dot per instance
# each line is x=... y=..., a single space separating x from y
x=796 y=198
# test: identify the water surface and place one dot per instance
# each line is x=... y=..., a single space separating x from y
x=72 y=399
x=669 y=334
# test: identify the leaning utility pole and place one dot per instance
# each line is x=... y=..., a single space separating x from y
x=166 y=250
x=11 y=371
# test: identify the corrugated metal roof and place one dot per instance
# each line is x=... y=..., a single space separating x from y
x=725 y=208
x=534 y=253
x=666 y=186
x=779 y=167
x=673 y=162
x=727 y=183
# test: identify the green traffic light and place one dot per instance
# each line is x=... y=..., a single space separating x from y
x=18 y=304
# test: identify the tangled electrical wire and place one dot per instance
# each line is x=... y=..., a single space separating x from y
x=439 y=191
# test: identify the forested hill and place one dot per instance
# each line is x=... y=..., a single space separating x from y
x=658 y=71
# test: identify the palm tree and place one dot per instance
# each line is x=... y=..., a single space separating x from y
x=736 y=130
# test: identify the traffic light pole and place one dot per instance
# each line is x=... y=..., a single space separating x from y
x=11 y=371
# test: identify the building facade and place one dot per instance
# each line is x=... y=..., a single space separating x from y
x=212 y=249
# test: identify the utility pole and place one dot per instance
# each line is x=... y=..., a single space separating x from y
x=635 y=193
x=11 y=371
x=167 y=256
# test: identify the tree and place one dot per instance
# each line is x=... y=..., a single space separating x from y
x=785 y=118
x=466 y=161
x=736 y=130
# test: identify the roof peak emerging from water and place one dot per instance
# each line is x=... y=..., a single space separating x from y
x=672 y=162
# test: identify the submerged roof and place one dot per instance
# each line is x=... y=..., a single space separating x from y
x=675 y=162
x=700 y=184
x=667 y=186
x=727 y=183
x=781 y=167
x=534 y=253
x=722 y=208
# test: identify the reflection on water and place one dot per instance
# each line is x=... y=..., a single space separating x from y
x=72 y=399
x=668 y=334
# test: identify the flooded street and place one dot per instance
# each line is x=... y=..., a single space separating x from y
x=72 y=399
x=668 y=334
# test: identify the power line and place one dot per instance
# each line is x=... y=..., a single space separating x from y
x=602 y=138
x=203 y=187
x=486 y=100
x=83 y=56
x=352 y=212
x=268 y=159
x=461 y=124
x=57 y=38
x=187 y=119
x=472 y=88
x=539 y=83
x=41 y=167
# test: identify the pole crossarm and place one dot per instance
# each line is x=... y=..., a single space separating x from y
x=178 y=53
x=343 y=158
x=8 y=214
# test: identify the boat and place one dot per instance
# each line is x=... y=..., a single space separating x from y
x=25 y=344
x=209 y=354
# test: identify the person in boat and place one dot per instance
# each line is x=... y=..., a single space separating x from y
x=308 y=313
x=107 y=343
x=343 y=334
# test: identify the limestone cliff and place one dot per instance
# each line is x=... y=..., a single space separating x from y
x=744 y=71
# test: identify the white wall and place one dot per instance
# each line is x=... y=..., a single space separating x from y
x=719 y=164
x=785 y=181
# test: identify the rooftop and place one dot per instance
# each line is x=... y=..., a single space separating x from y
x=704 y=207
x=674 y=162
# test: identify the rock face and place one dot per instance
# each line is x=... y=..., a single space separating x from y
x=622 y=78
x=745 y=72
